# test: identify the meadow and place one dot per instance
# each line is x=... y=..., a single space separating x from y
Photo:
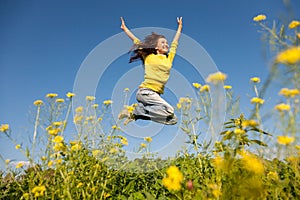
x=92 y=164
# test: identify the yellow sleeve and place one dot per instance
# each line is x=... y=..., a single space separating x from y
x=172 y=51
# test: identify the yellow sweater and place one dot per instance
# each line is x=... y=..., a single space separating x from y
x=157 y=69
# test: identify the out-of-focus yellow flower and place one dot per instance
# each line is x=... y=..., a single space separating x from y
x=70 y=95
x=227 y=87
x=249 y=123
x=25 y=196
x=252 y=163
x=298 y=35
x=283 y=107
x=197 y=85
x=18 y=146
x=259 y=18
x=219 y=162
x=38 y=191
x=215 y=190
x=216 y=78
x=50 y=163
x=59 y=100
x=178 y=106
x=239 y=131
x=107 y=102
x=76 y=147
x=19 y=165
x=285 y=140
x=294 y=24
x=90 y=98
x=124 y=141
x=257 y=100
x=95 y=105
x=143 y=145
x=173 y=179
x=289 y=56
x=126 y=90
x=78 y=119
x=289 y=92
x=115 y=127
x=59 y=147
x=79 y=109
x=255 y=80
x=4 y=127
x=51 y=95
x=106 y=195
x=100 y=119
x=38 y=102
x=7 y=161
x=148 y=139
x=58 y=139
x=57 y=123
x=54 y=132
x=204 y=88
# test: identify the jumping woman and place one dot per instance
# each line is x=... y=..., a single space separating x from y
x=157 y=60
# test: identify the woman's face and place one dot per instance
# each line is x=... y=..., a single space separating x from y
x=162 y=46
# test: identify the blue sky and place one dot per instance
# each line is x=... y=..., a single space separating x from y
x=44 y=43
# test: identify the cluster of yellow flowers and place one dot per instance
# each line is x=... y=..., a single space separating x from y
x=282 y=107
x=4 y=127
x=289 y=92
x=38 y=191
x=252 y=163
x=257 y=100
x=173 y=179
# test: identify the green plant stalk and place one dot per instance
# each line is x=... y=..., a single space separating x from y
x=67 y=117
x=35 y=129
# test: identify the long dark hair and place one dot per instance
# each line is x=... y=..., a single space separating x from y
x=143 y=49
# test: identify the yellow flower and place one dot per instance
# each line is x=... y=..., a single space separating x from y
x=251 y=123
x=178 y=106
x=124 y=141
x=298 y=35
x=38 y=102
x=227 y=87
x=79 y=109
x=216 y=78
x=239 y=131
x=95 y=105
x=197 y=85
x=148 y=139
x=7 y=161
x=173 y=179
x=19 y=165
x=107 y=102
x=54 y=131
x=70 y=95
x=126 y=90
x=252 y=163
x=289 y=92
x=58 y=139
x=38 y=191
x=115 y=127
x=259 y=18
x=204 y=88
x=143 y=145
x=18 y=146
x=294 y=24
x=185 y=100
x=90 y=98
x=285 y=140
x=289 y=56
x=78 y=119
x=51 y=95
x=255 y=80
x=50 y=163
x=76 y=147
x=257 y=100
x=273 y=176
x=283 y=107
x=59 y=100
x=100 y=119
x=57 y=123
x=25 y=196
x=4 y=127
x=59 y=147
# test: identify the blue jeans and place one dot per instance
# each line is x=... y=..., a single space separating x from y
x=152 y=107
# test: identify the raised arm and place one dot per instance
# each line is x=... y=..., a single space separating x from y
x=177 y=35
x=127 y=31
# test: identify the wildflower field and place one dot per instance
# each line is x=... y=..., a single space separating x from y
x=93 y=163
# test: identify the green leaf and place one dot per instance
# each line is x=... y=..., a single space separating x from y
x=259 y=131
x=149 y=196
x=259 y=143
